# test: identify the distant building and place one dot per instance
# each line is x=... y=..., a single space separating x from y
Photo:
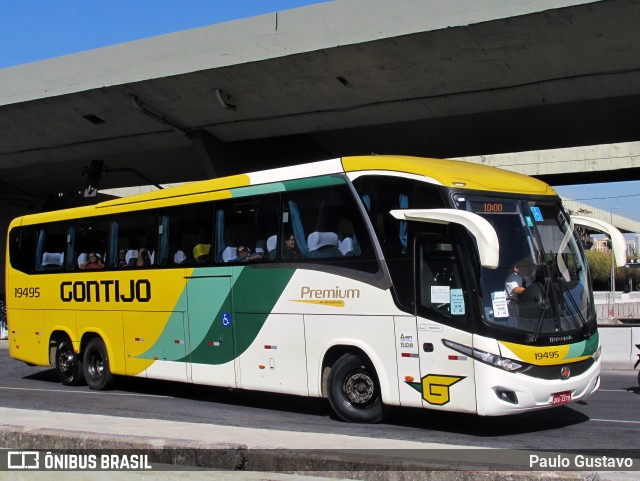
x=601 y=245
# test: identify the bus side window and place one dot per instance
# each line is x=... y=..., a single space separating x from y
x=22 y=248
x=134 y=232
x=247 y=223
x=85 y=236
x=327 y=224
x=185 y=235
x=51 y=247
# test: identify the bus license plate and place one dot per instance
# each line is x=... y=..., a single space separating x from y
x=561 y=397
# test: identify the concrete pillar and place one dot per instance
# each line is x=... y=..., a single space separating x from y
x=217 y=158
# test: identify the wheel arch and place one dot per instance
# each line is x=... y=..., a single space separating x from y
x=55 y=338
x=368 y=355
x=87 y=336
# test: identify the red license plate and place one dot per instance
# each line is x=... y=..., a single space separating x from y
x=561 y=397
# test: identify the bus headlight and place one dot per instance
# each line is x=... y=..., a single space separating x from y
x=485 y=357
x=596 y=355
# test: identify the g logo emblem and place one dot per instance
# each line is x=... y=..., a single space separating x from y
x=435 y=388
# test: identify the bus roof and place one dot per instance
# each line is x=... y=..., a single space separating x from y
x=450 y=173
x=453 y=173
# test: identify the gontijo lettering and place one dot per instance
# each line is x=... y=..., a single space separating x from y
x=106 y=291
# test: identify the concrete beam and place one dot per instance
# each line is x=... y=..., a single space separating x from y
x=279 y=34
x=587 y=159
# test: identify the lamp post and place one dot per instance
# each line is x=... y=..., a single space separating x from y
x=612 y=293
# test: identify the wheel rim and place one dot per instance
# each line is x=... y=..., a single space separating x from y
x=96 y=365
x=359 y=388
x=66 y=361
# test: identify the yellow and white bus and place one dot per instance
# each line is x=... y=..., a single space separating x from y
x=373 y=281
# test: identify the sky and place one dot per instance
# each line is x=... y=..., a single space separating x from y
x=32 y=30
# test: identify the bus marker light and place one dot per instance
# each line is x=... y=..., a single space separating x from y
x=178 y=341
x=214 y=343
x=261 y=366
x=457 y=358
x=408 y=378
x=155 y=358
x=139 y=339
x=270 y=347
x=409 y=354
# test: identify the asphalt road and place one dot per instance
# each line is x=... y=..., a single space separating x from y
x=609 y=420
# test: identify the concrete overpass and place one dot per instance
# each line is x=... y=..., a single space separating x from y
x=432 y=78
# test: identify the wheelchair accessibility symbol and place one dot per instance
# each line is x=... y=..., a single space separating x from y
x=226 y=319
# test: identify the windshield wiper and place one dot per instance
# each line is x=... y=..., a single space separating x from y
x=553 y=275
x=544 y=306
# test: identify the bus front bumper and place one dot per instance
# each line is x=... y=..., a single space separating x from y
x=499 y=392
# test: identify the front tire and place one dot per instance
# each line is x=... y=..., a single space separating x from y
x=96 y=365
x=354 y=390
x=68 y=364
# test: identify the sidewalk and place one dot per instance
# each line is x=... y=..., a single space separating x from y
x=178 y=449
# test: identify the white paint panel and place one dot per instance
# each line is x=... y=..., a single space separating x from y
x=167 y=370
x=275 y=361
x=313 y=169
x=214 y=375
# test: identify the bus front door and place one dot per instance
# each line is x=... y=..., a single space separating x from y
x=211 y=330
x=442 y=315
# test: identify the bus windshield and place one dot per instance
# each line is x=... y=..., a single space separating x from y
x=540 y=286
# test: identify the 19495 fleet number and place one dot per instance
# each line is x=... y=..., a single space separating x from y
x=27 y=292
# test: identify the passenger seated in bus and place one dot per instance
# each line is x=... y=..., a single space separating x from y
x=122 y=258
x=290 y=249
x=93 y=262
x=144 y=259
x=244 y=255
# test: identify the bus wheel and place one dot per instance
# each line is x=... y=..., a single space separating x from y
x=68 y=364
x=354 y=391
x=96 y=365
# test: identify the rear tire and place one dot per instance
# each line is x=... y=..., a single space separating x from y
x=96 y=365
x=354 y=390
x=68 y=364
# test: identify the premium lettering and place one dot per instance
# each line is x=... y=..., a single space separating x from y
x=337 y=293
x=106 y=291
